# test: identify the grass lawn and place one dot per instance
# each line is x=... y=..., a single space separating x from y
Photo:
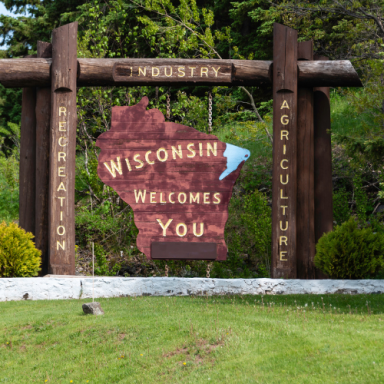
x=234 y=339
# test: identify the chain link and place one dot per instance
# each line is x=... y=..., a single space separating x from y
x=168 y=107
x=166 y=270
x=209 y=266
x=210 y=112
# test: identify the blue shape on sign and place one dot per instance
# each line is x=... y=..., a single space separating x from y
x=235 y=155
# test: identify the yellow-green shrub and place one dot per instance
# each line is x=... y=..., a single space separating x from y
x=18 y=254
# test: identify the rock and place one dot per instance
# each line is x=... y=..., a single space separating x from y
x=92 y=309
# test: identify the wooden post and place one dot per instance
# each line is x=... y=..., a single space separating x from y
x=284 y=152
x=27 y=161
x=43 y=122
x=63 y=151
x=305 y=175
x=323 y=164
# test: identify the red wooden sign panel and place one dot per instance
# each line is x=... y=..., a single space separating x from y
x=177 y=180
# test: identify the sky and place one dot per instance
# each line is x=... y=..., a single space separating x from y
x=4 y=11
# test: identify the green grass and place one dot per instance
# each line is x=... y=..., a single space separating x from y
x=250 y=339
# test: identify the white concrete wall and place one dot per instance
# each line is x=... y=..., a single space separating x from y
x=58 y=288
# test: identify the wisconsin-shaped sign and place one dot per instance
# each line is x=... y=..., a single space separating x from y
x=177 y=180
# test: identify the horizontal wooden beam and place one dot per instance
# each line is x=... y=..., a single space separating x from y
x=16 y=73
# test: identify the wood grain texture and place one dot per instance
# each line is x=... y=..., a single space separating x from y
x=100 y=72
x=284 y=181
x=173 y=184
x=322 y=164
x=27 y=167
x=43 y=122
x=305 y=212
x=63 y=151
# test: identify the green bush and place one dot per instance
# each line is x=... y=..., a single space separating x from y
x=18 y=254
x=349 y=252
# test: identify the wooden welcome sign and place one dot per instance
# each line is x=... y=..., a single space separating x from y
x=177 y=180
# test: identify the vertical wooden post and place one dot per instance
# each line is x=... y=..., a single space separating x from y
x=323 y=163
x=43 y=123
x=27 y=160
x=63 y=151
x=284 y=152
x=305 y=175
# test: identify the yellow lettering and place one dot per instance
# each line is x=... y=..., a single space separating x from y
x=62 y=126
x=153 y=71
x=140 y=195
x=60 y=171
x=60 y=139
x=152 y=196
x=191 y=150
x=203 y=71
x=206 y=198
x=62 y=110
x=60 y=230
x=282 y=162
x=165 y=72
x=177 y=152
x=201 y=230
x=284 y=149
x=284 y=134
x=284 y=207
x=164 y=227
x=281 y=195
x=283 y=239
x=61 y=156
x=147 y=158
x=216 y=196
x=192 y=69
x=178 y=229
x=284 y=120
x=195 y=199
x=282 y=255
x=281 y=225
x=213 y=150
x=201 y=149
x=284 y=105
x=286 y=179
x=61 y=187
x=181 y=72
x=184 y=197
x=165 y=158
x=61 y=245
x=143 y=72
x=128 y=165
x=161 y=198
x=216 y=71
x=169 y=198
x=136 y=158
x=61 y=198
x=61 y=215
x=114 y=167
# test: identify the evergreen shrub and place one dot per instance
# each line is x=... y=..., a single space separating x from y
x=18 y=254
x=349 y=252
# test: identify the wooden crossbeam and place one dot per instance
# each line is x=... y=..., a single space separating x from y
x=133 y=72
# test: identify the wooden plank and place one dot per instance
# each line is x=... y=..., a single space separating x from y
x=305 y=211
x=63 y=151
x=177 y=195
x=27 y=166
x=322 y=164
x=100 y=72
x=184 y=251
x=43 y=122
x=284 y=180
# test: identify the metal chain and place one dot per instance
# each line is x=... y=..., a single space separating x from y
x=166 y=270
x=209 y=265
x=210 y=111
x=168 y=106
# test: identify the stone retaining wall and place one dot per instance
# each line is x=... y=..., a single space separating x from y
x=59 y=288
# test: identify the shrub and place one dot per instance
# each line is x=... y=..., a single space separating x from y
x=349 y=252
x=18 y=254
